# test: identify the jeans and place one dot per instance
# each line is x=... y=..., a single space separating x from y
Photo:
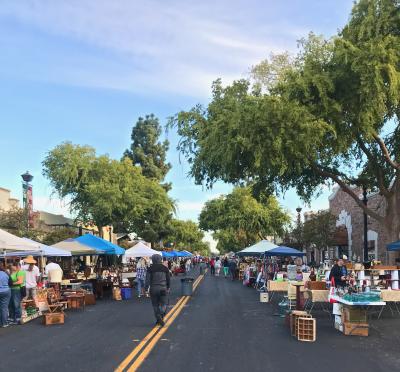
x=226 y=270
x=140 y=285
x=159 y=302
x=15 y=305
x=4 y=301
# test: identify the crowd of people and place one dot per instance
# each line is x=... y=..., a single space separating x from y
x=19 y=281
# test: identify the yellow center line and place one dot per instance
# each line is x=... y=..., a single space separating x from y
x=137 y=349
x=146 y=351
x=151 y=334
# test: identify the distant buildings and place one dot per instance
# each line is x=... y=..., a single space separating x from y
x=6 y=201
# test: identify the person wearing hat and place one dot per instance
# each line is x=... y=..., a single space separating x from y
x=32 y=276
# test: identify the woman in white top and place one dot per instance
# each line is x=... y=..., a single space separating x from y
x=218 y=265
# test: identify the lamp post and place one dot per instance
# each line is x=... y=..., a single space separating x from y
x=365 y=201
x=27 y=195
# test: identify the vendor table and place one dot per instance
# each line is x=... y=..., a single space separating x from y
x=320 y=296
x=392 y=298
x=274 y=286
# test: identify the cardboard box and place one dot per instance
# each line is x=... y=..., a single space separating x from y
x=355 y=329
x=53 y=318
x=90 y=299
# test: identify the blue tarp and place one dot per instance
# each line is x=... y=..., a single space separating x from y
x=284 y=251
x=168 y=254
x=102 y=245
x=395 y=246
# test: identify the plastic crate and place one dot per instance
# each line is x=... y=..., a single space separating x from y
x=306 y=329
x=126 y=293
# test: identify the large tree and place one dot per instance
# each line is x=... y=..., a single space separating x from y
x=147 y=151
x=185 y=235
x=239 y=219
x=104 y=191
x=328 y=115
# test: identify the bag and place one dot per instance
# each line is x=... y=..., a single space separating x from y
x=332 y=292
x=23 y=291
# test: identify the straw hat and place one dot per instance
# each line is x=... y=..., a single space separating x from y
x=29 y=260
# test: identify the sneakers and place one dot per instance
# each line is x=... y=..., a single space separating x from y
x=5 y=326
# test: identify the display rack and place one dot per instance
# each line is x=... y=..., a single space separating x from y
x=306 y=329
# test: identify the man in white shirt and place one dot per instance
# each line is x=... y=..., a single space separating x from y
x=51 y=266
x=32 y=275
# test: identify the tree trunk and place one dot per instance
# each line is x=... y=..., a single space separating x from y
x=392 y=219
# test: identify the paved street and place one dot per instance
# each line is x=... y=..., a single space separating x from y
x=222 y=328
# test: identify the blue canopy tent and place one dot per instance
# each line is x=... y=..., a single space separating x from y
x=395 y=246
x=183 y=254
x=284 y=251
x=168 y=254
x=101 y=245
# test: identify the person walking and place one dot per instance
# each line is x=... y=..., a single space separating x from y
x=18 y=281
x=5 y=295
x=141 y=271
x=32 y=275
x=226 y=267
x=232 y=268
x=188 y=265
x=158 y=278
x=217 y=266
x=212 y=266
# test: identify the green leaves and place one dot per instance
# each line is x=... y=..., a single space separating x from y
x=238 y=219
x=104 y=191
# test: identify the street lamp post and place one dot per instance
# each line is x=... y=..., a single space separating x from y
x=27 y=195
x=365 y=201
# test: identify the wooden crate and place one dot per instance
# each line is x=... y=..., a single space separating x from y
x=355 y=329
x=354 y=315
x=390 y=295
x=306 y=329
x=317 y=285
x=53 y=318
x=294 y=315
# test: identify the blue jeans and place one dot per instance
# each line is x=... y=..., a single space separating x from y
x=15 y=305
x=4 y=301
x=140 y=285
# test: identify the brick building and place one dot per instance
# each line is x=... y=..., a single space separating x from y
x=349 y=237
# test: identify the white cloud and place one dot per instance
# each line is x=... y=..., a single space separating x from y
x=175 y=46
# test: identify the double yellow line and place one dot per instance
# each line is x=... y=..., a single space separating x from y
x=143 y=349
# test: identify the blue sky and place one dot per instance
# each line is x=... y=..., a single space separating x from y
x=85 y=70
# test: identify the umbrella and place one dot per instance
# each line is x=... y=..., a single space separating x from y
x=140 y=250
x=100 y=245
x=284 y=251
x=76 y=248
x=257 y=249
x=10 y=242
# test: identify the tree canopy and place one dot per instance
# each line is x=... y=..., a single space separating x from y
x=186 y=235
x=329 y=114
x=239 y=219
x=105 y=191
x=146 y=149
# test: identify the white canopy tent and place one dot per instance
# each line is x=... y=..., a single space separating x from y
x=140 y=250
x=10 y=242
x=45 y=251
x=75 y=248
x=257 y=249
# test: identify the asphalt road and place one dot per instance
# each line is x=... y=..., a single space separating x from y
x=223 y=327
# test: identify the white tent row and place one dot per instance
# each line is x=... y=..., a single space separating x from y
x=10 y=242
x=140 y=250
x=257 y=249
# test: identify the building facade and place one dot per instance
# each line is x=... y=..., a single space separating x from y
x=6 y=201
x=349 y=237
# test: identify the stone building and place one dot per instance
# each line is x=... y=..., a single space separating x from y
x=349 y=237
